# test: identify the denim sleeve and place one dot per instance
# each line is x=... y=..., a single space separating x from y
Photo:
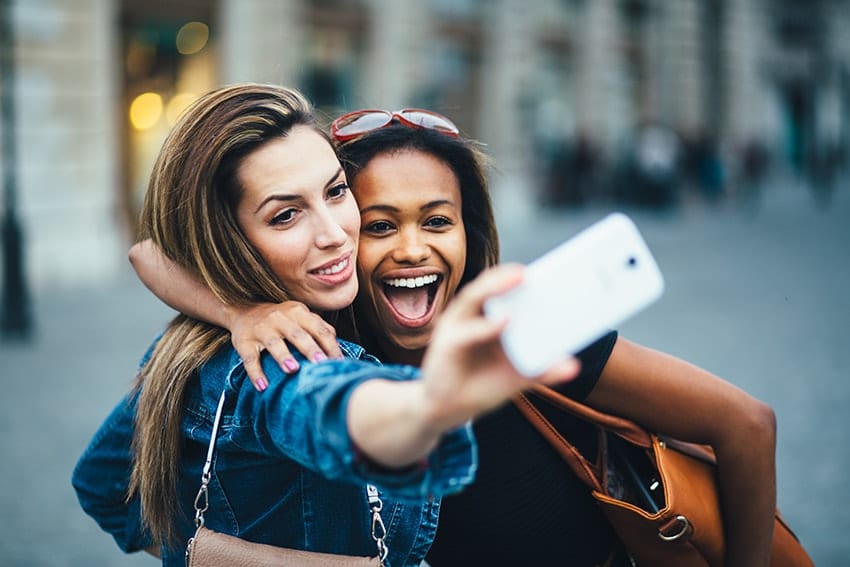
x=102 y=475
x=302 y=417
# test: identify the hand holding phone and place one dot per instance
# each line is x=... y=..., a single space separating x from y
x=576 y=293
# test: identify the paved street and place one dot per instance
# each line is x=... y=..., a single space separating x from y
x=757 y=297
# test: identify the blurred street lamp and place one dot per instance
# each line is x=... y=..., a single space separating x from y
x=16 y=321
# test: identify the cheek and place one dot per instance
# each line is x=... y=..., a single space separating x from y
x=369 y=253
x=284 y=253
x=457 y=250
x=455 y=254
x=283 y=268
x=349 y=219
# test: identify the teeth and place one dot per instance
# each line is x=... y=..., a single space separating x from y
x=412 y=282
x=335 y=269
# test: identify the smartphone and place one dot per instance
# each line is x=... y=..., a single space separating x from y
x=635 y=476
x=576 y=293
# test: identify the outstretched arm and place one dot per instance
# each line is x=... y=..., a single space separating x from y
x=465 y=373
x=669 y=395
x=253 y=328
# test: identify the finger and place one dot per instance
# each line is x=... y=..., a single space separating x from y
x=303 y=342
x=316 y=339
x=280 y=352
x=307 y=332
x=492 y=282
x=254 y=369
x=325 y=336
x=476 y=332
x=562 y=370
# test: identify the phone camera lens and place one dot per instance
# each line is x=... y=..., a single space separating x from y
x=632 y=261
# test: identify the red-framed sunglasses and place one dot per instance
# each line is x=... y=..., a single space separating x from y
x=359 y=122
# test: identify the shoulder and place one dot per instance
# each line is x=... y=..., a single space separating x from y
x=226 y=366
x=597 y=353
x=351 y=352
x=593 y=360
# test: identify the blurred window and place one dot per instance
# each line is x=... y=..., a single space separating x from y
x=168 y=60
x=464 y=9
x=336 y=32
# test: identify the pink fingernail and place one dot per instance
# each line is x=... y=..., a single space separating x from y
x=319 y=357
x=290 y=364
x=262 y=385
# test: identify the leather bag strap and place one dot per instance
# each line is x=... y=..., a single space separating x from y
x=586 y=471
x=583 y=469
x=627 y=429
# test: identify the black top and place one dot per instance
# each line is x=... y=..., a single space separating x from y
x=526 y=507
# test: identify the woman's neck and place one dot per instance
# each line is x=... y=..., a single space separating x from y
x=393 y=353
x=362 y=329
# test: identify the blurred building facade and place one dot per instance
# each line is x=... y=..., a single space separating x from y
x=598 y=85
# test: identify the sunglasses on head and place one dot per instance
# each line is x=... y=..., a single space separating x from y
x=354 y=124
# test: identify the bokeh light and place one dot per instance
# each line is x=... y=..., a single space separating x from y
x=177 y=105
x=145 y=110
x=192 y=37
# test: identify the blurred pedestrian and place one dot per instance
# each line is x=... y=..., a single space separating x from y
x=753 y=170
x=656 y=167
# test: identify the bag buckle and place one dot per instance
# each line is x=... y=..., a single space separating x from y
x=684 y=528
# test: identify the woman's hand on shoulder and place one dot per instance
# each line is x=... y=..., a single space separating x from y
x=465 y=370
x=269 y=326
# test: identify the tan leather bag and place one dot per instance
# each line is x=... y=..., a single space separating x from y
x=210 y=548
x=659 y=495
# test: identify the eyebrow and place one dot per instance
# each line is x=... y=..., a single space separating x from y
x=290 y=197
x=392 y=209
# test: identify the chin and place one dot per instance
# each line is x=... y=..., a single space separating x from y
x=335 y=303
x=411 y=342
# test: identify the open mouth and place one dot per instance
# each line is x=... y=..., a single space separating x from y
x=412 y=299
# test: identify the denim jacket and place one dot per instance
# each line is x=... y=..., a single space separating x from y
x=285 y=471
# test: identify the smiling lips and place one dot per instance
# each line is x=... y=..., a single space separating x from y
x=411 y=299
x=335 y=272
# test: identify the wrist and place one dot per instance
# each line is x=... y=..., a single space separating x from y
x=227 y=316
x=397 y=432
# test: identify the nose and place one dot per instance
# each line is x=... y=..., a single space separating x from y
x=411 y=248
x=329 y=231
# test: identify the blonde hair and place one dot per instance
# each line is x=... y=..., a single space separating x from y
x=189 y=212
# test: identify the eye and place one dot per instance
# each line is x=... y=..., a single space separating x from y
x=438 y=222
x=338 y=191
x=284 y=217
x=378 y=227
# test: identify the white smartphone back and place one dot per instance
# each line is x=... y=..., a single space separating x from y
x=576 y=293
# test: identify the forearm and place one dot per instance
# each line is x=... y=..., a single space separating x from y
x=101 y=479
x=387 y=421
x=176 y=287
x=305 y=417
x=747 y=484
